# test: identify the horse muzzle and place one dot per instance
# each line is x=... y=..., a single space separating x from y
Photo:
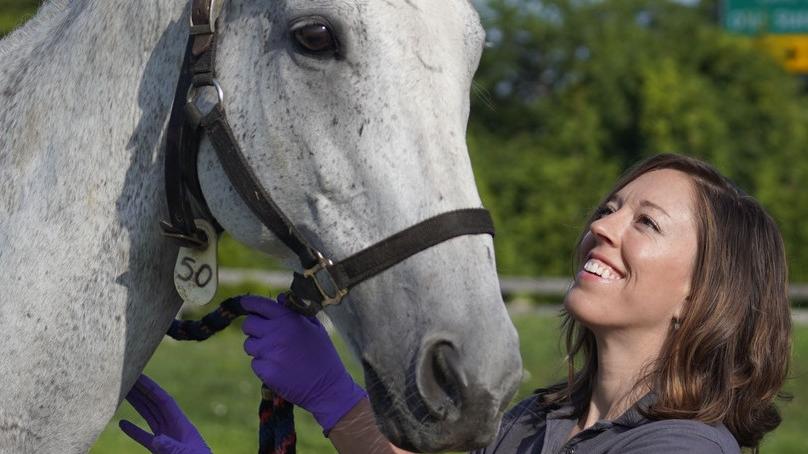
x=445 y=404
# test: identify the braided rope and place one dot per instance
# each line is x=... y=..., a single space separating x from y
x=276 y=430
x=276 y=434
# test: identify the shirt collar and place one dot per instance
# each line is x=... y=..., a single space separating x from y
x=632 y=417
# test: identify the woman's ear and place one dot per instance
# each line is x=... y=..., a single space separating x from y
x=679 y=310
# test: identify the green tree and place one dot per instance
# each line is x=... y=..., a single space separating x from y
x=585 y=89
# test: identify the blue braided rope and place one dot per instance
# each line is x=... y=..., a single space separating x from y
x=276 y=430
x=199 y=330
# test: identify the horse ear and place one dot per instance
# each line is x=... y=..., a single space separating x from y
x=196 y=272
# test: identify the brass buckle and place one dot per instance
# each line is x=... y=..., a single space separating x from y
x=313 y=272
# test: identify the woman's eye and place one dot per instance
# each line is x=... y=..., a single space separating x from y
x=315 y=38
x=647 y=221
x=605 y=210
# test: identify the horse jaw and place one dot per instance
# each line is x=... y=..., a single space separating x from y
x=353 y=150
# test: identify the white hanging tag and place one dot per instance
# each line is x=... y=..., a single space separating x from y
x=196 y=273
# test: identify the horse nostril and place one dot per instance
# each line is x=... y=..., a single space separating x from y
x=442 y=383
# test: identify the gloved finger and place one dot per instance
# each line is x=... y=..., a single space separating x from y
x=148 y=385
x=270 y=372
x=265 y=307
x=161 y=399
x=147 y=409
x=315 y=323
x=154 y=393
x=165 y=444
x=257 y=326
x=136 y=433
x=270 y=346
x=251 y=346
x=259 y=347
x=158 y=400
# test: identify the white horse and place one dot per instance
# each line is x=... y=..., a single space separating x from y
x=355 y=144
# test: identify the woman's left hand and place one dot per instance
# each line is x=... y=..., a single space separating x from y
x=173 y=432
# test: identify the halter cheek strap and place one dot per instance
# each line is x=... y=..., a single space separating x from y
x=323 y=281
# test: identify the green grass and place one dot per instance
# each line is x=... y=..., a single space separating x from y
x=213 y=383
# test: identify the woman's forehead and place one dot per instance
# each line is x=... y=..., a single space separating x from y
x=662 y=185
x=666 y=190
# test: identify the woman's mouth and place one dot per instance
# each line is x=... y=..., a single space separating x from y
x=602 y=270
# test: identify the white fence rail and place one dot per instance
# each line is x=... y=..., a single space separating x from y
x=541 y=286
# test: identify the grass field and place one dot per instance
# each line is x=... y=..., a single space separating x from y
x=213 y=382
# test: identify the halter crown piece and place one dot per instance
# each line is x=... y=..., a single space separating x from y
x=323 y=281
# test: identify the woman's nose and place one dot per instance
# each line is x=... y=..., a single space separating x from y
x=606 y=229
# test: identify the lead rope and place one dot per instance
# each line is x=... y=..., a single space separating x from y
x=276 y=430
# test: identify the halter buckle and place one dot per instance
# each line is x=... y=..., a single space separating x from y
x=329 y=289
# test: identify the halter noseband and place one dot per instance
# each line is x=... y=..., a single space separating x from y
x=322 y=282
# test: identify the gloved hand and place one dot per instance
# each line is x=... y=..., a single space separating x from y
x=173 y=432
x=293 y=355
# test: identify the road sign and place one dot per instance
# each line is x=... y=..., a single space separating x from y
x=792 y=50
x=780 y=26
x=769 y=17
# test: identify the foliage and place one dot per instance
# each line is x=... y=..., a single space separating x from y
x=571 y=92
x=533 y=198
x=14 y=12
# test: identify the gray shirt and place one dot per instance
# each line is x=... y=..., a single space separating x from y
x=533 y=428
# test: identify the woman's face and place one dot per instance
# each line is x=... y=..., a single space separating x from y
x=638 y=256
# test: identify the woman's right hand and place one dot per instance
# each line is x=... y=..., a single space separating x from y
x=293 y=355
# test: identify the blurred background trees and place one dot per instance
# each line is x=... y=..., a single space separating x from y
x=571 y=92
x=14 y=12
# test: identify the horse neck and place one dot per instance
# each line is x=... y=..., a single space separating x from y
x=87 y=87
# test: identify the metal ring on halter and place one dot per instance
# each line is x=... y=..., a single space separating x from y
x=214 y=82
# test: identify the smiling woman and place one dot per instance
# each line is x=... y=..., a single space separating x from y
x=680 y=315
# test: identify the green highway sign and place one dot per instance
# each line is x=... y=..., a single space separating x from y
x=769 y=17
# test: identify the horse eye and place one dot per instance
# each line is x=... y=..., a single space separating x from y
x=315 y=38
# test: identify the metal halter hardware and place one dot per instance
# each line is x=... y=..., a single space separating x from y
x=323 y=281
x=201 y=25
x=331 y=295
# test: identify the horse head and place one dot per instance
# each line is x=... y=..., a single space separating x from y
x=353 y=116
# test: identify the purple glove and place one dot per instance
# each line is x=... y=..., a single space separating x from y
x=173 y=432
x=294 y=356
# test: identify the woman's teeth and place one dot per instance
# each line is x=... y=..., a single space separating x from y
x=603 y=270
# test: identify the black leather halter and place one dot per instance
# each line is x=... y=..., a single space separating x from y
x=323 y=282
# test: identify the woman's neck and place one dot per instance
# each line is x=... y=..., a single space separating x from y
x=623 y=359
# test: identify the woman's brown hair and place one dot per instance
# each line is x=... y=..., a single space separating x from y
x=727 y=357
